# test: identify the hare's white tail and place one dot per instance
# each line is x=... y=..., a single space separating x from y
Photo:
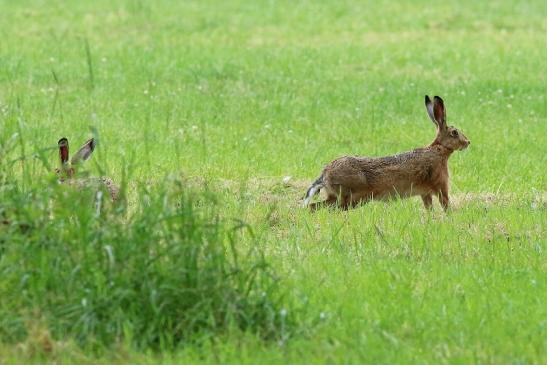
x=312 y=190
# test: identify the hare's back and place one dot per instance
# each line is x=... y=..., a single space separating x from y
x=346 y=171
x=356 y=173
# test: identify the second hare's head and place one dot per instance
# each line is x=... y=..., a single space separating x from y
x=66 y=169
x=447 y=136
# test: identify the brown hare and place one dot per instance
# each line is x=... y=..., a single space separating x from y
x=350 y=180
x=67 y=170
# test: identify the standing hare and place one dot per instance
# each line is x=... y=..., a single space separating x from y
x=67 y=170
x=350 y=180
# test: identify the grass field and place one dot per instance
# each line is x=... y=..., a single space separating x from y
x=236 y=96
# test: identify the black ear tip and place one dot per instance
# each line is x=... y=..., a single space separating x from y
x=427 y=99
x=62 y=141
x=438 y=99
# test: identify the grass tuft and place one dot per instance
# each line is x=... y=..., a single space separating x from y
x=170 y=272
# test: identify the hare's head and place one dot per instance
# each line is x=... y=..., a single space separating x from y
x=66 y=169
x=447 y=136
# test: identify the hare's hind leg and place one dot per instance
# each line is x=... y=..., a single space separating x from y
x=342 y=202
x=354 y=203
x=329 y=202
x=351 y=201
x=428 y=201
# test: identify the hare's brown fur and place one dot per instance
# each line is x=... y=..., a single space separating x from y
x=350 y=180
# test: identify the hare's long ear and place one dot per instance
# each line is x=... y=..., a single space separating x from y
x=439 y=111
x=429 y=108
x=63 y=150
x=84 y=152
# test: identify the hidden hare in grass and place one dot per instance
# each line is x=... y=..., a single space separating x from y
x=67 y=172
x=351 y=180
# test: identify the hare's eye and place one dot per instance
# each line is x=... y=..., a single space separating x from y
x=454 y=133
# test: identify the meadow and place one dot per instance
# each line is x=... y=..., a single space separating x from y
x=215 y=116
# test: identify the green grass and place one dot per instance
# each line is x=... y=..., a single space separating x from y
x=238 y=95
x=170 y=273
